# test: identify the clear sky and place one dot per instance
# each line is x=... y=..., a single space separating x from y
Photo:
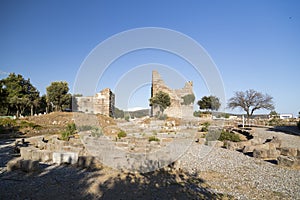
x=254 y=44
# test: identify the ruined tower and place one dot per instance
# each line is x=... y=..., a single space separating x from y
x=178 y=108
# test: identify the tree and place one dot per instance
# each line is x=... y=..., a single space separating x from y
x=58 y=96
x=209 y=103
x=3 y=98
x=273 y=114
x=188 y=99
x=160 y=99
x=251 y=101
x=20 y=93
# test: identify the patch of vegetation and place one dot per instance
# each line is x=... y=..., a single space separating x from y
x=122 y=134
x=276 y=122
x=153 y=138
x=162 y=117
x=70 y=130
x=26 y=124
x=201 y=113
x=188 y=99
x=127 y=118
x=205 y=126
x=7 y=124
x=225 y=135
x=96 y=131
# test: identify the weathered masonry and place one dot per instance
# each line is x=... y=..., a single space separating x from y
x=179 y=107
x=101 y=103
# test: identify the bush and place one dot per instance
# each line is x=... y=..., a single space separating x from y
x=205 y=126
x=122 y=134
x=229 y=136
x=153 y=138
x=162 y=117
x=96 y=131
x=127 y=118
x=70 y=130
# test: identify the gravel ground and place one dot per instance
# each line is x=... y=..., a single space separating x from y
x=241 y=176
x=288 y=140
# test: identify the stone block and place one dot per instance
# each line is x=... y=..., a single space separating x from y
x=24 y=165
x=26 y=152
x=289 y=161
x=273 y=153
x=86 y=162
x=65 y=157
x=13 y=164
x=266 y=153
x=215 y=143
x=256 y=141
x=231 y=145
x=285 y=151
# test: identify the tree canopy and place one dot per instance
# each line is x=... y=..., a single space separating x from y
x=251 y=101
x=209 y=103
x=58 y=96
x=17 y=94
x=161 y=99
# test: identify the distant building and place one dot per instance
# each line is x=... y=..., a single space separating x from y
x=101 y=103
x=286 y=116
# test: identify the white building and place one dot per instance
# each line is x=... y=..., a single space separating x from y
x=286 y=116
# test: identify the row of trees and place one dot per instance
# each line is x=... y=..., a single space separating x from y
x=249 y=101
x=18 y=96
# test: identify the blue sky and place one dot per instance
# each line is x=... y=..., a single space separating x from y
x=254 y=44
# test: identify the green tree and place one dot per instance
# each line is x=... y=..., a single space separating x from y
x=188 y=99
x=3 y=98
x=58 y=96
x=160 y=99
x=209 y=103
x=251 y=101
x=118 y=113
x=21 y=94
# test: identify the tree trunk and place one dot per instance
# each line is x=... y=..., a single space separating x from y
x=31 y=110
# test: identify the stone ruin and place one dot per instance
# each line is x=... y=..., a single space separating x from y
x=269 y=150
x=177 y=108
x=101 y=103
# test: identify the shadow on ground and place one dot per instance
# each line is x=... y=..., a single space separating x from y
x=69 y=182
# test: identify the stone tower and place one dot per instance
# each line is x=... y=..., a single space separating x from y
x=177 y=108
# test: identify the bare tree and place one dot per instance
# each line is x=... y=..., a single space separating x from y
x=250 y=101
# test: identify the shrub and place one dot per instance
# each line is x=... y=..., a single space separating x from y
x=26 y=124
x=7 y=122
x=153 y=138
x=122 y=134
x=70 y=130
x=225 y=135
x=205 y=126
x=162 y=117
x=96 y=131
x=127 y=118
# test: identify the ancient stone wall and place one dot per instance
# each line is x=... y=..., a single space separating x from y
x=102 y=103
x=177 y=108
